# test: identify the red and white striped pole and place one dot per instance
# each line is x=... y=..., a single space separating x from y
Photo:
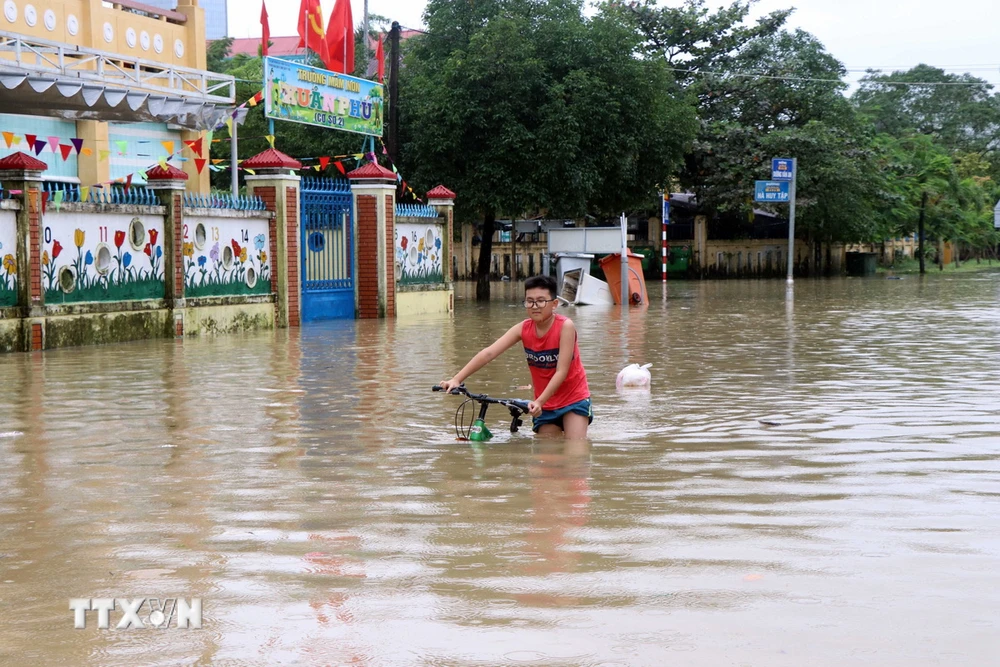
x=663 y=240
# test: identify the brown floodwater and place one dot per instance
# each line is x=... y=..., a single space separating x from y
x=811 y=481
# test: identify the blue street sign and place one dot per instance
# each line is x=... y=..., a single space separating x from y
x=782 y=169
x=666 y=208
x=771 y=191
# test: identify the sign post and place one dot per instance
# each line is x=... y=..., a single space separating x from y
x=624 y=263
x=781 y=189
x=663 y=242
x=785 y=169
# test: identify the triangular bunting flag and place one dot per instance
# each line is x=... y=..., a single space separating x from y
x=103 y=155
x=122 y=147
x=77 y=144
x=30 y=138
x=209 y=135
x=316 y=167
x=340 y=167
x=57 y=197
x=270 y=140
x=84 y=194
x=39 y=146
x=65 y=149
x=195 y=146
x=200 y=163
x=8 y=137
x=229 y=126
x=128 y=183
x=169 y=146
x=163 y=163
x=217 y=160
x=86 y=151
x=54 y=143
x=324 y=162
x=17 y=140
x=251 y=172
x=45 y=202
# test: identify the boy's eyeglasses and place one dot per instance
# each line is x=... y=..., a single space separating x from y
x=540 y=303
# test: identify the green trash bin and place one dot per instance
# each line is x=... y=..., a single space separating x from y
x=861 y=263
x=678 y=259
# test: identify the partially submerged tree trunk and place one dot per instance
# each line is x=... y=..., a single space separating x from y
x=920 y=231
x=485 y=256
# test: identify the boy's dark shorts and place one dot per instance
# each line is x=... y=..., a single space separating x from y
x=556 y=416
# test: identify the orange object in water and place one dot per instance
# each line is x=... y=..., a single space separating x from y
x=611 y=265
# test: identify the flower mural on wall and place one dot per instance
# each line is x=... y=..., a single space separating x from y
x=232 y=267
x=418 y=254
x=8 y=279
x=103 y=271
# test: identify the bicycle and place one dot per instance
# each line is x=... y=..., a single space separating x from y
x=475 y=430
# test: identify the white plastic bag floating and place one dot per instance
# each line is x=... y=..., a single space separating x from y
x=634 y=376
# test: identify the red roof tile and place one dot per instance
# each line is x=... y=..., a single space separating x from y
x=171 y=173
x=441 y=192
x=372 y=171
x=271 y=159
x=22 y=161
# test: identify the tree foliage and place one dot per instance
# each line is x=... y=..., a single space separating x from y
x=525 y=105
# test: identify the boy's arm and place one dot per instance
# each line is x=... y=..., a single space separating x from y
x=567 y=347
x=485 y=356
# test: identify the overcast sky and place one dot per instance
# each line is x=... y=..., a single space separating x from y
x=957 y=35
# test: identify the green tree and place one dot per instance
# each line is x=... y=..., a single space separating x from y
x=926 y=178
x=959 y=111
x=764 y=92
x=523 y=105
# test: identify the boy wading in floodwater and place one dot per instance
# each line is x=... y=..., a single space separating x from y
x=562 y=397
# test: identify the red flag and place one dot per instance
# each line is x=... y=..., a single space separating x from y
x=324 y=162
x=311 y=33
x=195 y=146
x=266 y=29
x=340 y=167
x=200 y=163
x=380 y=58
x=65 y=149
x=340 y=38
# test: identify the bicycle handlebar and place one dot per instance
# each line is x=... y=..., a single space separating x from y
x=516 y=403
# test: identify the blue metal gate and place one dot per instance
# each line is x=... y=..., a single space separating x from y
x=328 y=262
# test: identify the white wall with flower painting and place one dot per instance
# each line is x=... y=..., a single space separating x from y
x=418 y=247
x=226 y=256
x=101 y=256
x=8 y=259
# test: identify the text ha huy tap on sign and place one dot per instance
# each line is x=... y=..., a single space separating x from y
x=771 y=191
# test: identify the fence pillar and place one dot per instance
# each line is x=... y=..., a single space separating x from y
x=279 y=188
x=443 y=201
x=21 y=175
x=374 y=191
x=701 y=243
x=169 y=185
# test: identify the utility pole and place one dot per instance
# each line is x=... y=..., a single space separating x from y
x=364 y=41
x=393 y=143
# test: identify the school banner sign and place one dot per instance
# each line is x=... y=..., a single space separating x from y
x=313 y=96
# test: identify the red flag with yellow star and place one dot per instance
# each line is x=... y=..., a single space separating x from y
x=311 y=33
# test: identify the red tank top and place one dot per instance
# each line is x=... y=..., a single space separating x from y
x=543 y=356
